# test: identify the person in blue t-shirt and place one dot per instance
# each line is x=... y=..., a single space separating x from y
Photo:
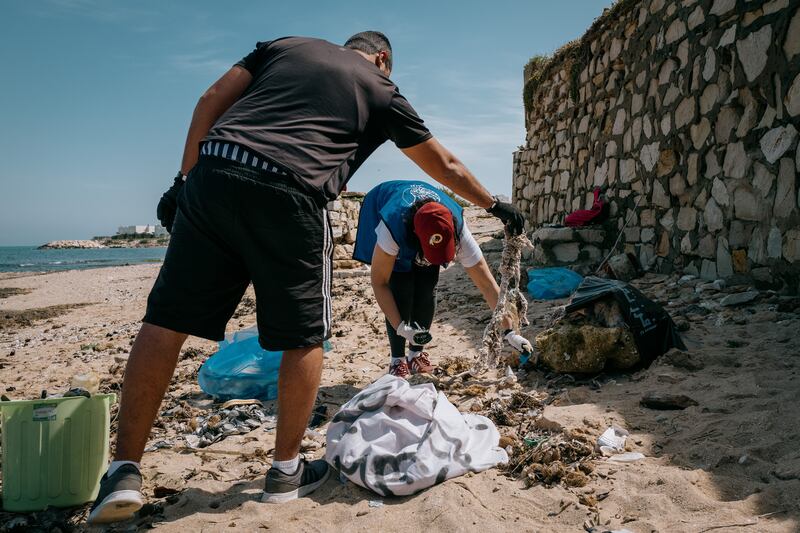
x=407 y=230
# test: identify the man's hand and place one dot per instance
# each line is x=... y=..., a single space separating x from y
x=414 y=334
x=518 y=342
x=510 y=216
x=168 y=205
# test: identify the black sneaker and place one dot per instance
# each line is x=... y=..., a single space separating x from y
x=120 y=496
x=281 y=487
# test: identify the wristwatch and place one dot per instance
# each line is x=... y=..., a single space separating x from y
x=496 y=200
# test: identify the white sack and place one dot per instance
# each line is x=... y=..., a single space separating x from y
x=398 y=439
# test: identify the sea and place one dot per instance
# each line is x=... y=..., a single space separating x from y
x=31 y=259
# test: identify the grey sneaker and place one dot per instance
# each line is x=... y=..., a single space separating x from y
x=120 y=496
x=281 y=487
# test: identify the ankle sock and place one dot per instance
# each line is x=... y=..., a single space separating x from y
x=116 y=464
x=412 y=354
x=396 y=360
x=287 y=467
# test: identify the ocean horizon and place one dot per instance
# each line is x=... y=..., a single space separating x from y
x=32 y=259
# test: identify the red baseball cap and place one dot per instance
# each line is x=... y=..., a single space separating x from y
x=433 y=225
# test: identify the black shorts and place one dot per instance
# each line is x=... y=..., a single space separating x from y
x=236 y=224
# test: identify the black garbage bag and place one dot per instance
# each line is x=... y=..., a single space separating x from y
x=653 y=330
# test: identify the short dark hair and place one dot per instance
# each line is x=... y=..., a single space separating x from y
x=371 y=42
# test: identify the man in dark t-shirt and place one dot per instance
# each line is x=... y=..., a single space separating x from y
x=270 y=143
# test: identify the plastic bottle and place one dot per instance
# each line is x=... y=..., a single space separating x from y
x=87 y=381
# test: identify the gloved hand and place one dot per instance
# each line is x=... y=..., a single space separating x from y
x=518 y=342
x=510 y=216
x=414 y=334
x=168 y=205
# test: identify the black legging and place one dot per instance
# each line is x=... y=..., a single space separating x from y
x=415 y=295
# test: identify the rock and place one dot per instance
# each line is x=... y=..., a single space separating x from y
x=728 y=37
x=720 y=7
x=739 y=261
x=666 y=163
x=566 y=252
x=755 y=249
x=681 y=359
x=660 y=197
x=713 y=216
x=724 y=264
x=585 y=348
x=666 y=402
x=709 y=98
x=649 y=155
x=791 y=47
x=792 y=100
x=622 y=267
x=727 y=121
x=791 y=245
x=707 y=246
x=712 y=164
x=762 y=180
x=708 y=270
x=550 y=235
x=752 y=51
x=720 y=192
x=666 y=124
x=627 y=170
x=69 y=244
x=696 y=18
x=748 y=120
x=710 y=64
x=675 y=31
x=736 y=162
x=687 y=218
x=677 y=185
x=785 y=192
x=774 y=243
x=776 y=141
x=667 y=221
x=684 y=113
x=665 y=72
x=699 y=133
x=619 y=122
x=739 y=298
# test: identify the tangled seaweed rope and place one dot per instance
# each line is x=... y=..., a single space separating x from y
x=510 y=302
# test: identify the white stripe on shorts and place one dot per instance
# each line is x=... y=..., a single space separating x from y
x=327 y=248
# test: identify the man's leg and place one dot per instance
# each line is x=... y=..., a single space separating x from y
x=423 y=309
x=298 y=382
x=147 y=375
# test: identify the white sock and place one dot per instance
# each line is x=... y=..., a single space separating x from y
x=116 y=464
x=287 y=467
x=412 y=354
x=396 y=360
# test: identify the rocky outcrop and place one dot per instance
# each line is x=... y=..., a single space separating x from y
x=60 y=245
x=687 y=111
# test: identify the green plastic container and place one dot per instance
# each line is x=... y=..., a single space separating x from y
x=54 y=451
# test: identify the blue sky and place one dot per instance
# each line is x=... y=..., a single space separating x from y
x=97 y=94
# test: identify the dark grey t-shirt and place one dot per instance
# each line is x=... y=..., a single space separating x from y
x=319 y=110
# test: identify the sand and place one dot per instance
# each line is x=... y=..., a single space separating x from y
x=733 y=460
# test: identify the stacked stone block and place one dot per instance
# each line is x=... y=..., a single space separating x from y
x=343 y=214
x=688 y=112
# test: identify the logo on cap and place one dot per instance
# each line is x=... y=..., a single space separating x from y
x=435 y=239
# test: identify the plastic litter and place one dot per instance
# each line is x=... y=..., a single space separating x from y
x=628 y=457
x=89 y=382
x=612 y=441
x=653 y=330
x=241 y=369
x=551 y=283
x=376 y=503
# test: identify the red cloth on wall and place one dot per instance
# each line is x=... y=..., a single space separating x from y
x=585 y=217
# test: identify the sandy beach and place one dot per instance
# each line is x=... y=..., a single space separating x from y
x=731 y=463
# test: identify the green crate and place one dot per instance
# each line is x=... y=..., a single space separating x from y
x=55 y=451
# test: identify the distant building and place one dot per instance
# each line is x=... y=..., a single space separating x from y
x=155 y=230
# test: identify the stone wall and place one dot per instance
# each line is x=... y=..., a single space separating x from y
x=687 y=111
x=343 y=213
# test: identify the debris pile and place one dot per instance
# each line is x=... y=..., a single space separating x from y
x=233 y=418
x=540 y=451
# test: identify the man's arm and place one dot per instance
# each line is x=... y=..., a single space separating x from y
x=442 y=165
x=214 y=102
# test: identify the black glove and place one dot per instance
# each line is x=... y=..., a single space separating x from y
x=168 y=205
x=510 y=216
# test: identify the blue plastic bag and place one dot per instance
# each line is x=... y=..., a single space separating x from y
x=551 y=283
x=241 y=369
